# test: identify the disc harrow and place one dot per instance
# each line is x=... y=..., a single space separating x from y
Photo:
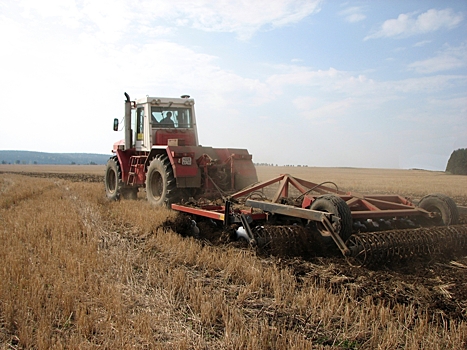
x=384 y=246
x=367 y=229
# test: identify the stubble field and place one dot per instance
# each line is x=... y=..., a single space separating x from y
x=78 y=271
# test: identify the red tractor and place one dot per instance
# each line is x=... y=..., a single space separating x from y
x=161 y=153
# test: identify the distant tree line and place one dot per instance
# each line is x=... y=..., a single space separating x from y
x=271 y=164
x=457 y=163
x=32 y=157
x=265 y=164
x=17 y=162
x=35 y=162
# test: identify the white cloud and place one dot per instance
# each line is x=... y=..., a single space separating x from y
x=422 y=43
x=303 y=103
x=343 y=83
x=425 y=85
x=298 y=75
x=242 y=17
x=112 y=22
x=108 y=23
x=180 y=67
x=93 y=50
x=327 y=112
x=65 y=9
x=353 y=14
x=450 y=58
x=435 y=112
x=406 y=25
x=331 y=81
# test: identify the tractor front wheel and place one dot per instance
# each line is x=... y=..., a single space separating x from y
x=161 y=187
x=113 y=180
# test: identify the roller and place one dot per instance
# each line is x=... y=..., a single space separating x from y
x=286 y=240
x=385 y=246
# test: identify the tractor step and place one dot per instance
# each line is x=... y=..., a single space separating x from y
x=135 y=162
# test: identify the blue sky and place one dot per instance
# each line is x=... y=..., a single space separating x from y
x=380 y=84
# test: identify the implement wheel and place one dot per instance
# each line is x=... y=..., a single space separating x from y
x=444 y=206
x=113 y=179
x=161 y=187
x=336 y=206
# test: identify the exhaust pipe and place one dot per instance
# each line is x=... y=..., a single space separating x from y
x=127 y=122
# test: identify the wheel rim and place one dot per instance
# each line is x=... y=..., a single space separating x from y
x=156 y=185
x=111 y=181
x=322 y=228
x=438 y=220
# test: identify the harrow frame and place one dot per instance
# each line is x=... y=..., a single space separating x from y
x=362 y=207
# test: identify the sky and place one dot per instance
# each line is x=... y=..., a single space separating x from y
x=326 y=83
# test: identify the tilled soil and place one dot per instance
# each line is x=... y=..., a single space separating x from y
x=75 y=177
x=436 y=285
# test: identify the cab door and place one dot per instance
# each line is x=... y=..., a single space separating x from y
x=137 y=125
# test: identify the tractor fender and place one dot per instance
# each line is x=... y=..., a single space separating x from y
x=183 y=162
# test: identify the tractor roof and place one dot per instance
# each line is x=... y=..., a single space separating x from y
x=165 y=100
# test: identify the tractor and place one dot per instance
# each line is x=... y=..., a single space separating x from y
x=161 y=153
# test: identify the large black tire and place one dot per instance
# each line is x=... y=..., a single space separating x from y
x=161 y=186
x=443 y=205
x=335 y=205
x=113 y=179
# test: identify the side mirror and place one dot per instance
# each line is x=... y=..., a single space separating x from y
x=116 y=124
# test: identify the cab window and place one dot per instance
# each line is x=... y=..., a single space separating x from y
x=170 y=117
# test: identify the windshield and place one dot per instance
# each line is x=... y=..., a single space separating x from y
x=171 y=117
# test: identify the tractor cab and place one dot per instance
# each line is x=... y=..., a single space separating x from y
x=159 y=121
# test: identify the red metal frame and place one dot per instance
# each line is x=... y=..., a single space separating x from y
x=361 y=206
x=216 y=212
x=238 y=161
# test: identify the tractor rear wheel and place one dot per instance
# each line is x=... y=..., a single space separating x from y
x=444 y=206
x=161 y=186
x=113 y=179
x=336 y=206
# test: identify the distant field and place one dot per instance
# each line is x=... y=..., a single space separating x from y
x=411 y=183
x=68 y=169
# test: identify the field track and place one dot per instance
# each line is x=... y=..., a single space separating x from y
x=84 y=272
